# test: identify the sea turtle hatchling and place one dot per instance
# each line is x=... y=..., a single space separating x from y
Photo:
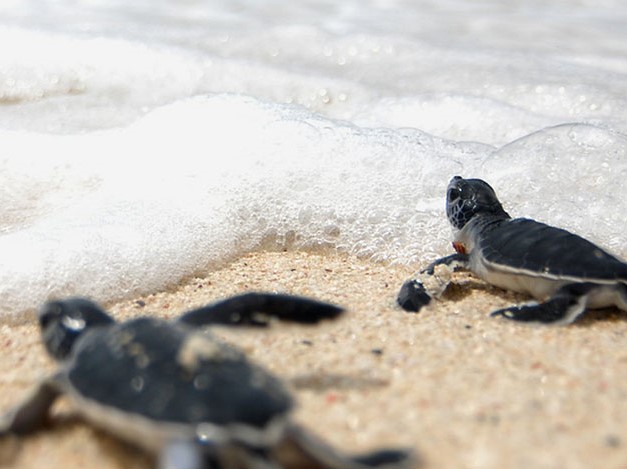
x=179 y=392
x=564 y=271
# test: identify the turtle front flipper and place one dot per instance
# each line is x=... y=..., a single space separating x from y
x=32 y=412
x=566 y=305
x=413 y=296
x=430 y=282
x=301 y=449
x=454 y=262
x=257 y=309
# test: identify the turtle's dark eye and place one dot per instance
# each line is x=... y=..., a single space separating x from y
x=453 y=194
x=44 y=320
x=49 y=312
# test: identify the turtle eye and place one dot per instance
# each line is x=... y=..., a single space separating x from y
x=453 y=194
x=49 y=312
x=44 y=320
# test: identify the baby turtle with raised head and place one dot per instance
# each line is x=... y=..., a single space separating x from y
x=179 y=392
x=564 y=271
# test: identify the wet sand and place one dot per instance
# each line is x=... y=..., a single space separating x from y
x=463 y=389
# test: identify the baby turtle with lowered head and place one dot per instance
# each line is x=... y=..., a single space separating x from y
x=564 y=271
x=179 y=392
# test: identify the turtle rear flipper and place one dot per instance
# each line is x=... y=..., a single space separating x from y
x=566 y=305
x=257 y=309
x=31 y=413
x=303 y=450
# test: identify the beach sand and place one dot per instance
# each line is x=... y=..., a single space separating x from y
x=462 y=389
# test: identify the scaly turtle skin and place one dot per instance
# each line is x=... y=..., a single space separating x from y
x=175 y=390
x=564 y=271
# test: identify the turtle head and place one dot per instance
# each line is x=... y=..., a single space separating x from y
x=63 y=321
x=466 y=198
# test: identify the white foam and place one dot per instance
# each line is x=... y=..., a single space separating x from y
x=571 y=175
x=222 y=175
x=142 y=144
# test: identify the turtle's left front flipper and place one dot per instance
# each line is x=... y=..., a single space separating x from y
x=566 y=305
x=430 y=282
x=413 y=296
x=257 y=309
x=301 y=449
x=31 y=413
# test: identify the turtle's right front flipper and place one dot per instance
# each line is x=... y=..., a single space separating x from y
x=430 y=282
x=413 y=296
x=257 y=309
x=32 y=412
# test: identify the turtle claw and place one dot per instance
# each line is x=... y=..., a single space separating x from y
x=413 y=296
x=514 y=313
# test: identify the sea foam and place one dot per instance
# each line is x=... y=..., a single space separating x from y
x=144 y=144
x=199 y=182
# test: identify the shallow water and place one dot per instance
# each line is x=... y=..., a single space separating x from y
x=146 y=142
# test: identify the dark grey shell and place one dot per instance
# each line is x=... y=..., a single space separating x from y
x=545 y=251
x=170 y=373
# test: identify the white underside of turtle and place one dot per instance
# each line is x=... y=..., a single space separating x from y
x=543 y=286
